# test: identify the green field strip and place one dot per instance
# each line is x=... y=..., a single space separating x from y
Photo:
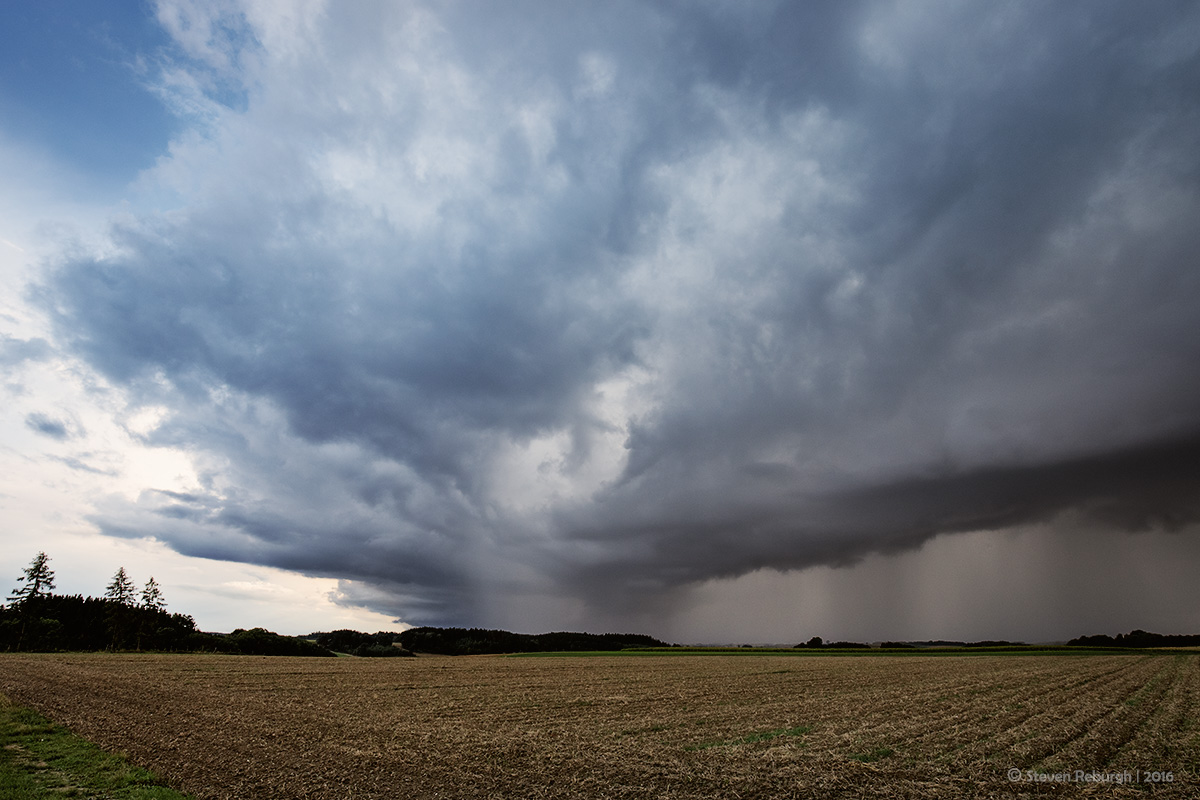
x=875 y=754
x=751 y=652
x=40 y=760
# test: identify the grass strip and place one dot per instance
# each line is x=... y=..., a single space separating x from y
x=878 y=754
x=39 y=759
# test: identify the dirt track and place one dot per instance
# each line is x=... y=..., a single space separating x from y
x=668 y=727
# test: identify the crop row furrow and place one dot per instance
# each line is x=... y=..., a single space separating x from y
x=1094 y=746
x=1008 y=704
x=1066 y=718
x=1022 y=719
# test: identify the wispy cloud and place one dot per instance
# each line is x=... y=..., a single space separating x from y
x=47 y=426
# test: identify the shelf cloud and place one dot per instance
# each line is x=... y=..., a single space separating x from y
x=461 y=303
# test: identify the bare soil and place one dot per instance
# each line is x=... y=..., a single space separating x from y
x=646 y=727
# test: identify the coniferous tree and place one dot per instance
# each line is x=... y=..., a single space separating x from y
x=152 y=596
x=121 y=622
x=38 y=579
x=153 y=606
x=121 y=588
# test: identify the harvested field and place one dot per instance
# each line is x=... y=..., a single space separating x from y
x=703 y=726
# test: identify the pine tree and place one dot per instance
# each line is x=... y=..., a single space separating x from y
x=38 y=579
x=152 y=596
x=121 y=588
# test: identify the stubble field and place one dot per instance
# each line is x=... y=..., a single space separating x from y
x=665 y=727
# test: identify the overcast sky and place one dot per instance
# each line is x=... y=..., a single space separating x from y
x=712 y=320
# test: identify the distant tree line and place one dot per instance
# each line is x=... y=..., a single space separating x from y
x=817 y=643
x=1134 y=639
x=262 y=642
x=478 y=641
x=1138 y=639
x=366 y=645
x=473 y=641
x=37 y=620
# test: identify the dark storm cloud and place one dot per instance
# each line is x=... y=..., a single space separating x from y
x=1141 y=488
x=15 y=351
x=1150 y=487
x=606 y=303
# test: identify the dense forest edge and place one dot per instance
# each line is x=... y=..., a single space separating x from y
x=36 y=620
x=50 y=623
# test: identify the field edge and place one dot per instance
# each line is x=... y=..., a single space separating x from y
x=42 y=759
